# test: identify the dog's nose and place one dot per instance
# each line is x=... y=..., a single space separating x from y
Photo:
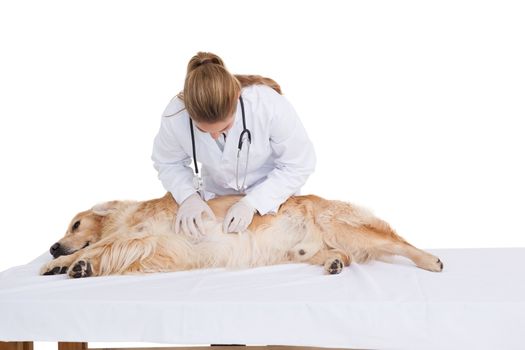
x=54 y=248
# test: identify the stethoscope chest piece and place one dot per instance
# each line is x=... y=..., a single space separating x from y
x=197 y=182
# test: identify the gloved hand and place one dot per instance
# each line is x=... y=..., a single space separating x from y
x=238 y=217
x=189 y=216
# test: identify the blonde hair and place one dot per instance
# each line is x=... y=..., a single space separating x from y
x=210 y=91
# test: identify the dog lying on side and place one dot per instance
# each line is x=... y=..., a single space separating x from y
x=125 y=237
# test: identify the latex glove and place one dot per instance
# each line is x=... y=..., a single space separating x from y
x=238 y=217
x=189 y=216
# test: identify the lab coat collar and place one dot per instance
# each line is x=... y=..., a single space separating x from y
x=232 y=138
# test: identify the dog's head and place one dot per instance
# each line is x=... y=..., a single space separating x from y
x=83 y=230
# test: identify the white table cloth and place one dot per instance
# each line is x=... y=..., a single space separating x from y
x=478 y=301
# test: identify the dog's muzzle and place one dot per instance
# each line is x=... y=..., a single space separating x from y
x=56 y=250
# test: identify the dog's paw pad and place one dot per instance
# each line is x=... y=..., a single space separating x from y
x=81 y=268
x=57 y=270
x=334 y=267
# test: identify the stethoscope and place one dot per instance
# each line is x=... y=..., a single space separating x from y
x=246 y=135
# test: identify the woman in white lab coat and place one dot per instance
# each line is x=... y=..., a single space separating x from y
x=274 y=166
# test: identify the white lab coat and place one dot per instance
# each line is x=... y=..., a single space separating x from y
x=281 y=156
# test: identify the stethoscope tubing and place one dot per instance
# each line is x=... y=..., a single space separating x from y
x=245 y=135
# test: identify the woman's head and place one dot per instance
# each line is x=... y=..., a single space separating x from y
x=210 y=92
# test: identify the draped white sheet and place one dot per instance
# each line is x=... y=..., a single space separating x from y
x=478 y=301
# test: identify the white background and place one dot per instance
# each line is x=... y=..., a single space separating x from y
x=415 y=108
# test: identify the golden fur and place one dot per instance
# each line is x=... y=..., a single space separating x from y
x=122 y=237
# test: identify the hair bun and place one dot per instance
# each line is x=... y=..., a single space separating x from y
x=202 y=58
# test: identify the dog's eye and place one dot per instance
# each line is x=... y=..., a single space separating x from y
x=76 y=225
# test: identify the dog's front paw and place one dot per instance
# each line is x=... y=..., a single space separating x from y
x=81 y=268
x=57 y=266
x=53 y=270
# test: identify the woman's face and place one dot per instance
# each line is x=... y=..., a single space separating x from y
x=216 y=129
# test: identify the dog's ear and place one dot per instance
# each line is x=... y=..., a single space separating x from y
x=104 y=209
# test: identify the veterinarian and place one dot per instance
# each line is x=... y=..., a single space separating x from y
x=247 y=137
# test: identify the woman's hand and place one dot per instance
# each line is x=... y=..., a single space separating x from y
x=189 y=216
x=238 y=217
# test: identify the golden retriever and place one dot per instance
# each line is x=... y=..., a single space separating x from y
x=125 y=237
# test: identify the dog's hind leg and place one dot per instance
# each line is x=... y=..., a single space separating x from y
x=372 y=242
x=365 y=237
x=419 y=257
x=387 y=242
x=333 y=260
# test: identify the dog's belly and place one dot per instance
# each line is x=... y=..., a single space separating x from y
x=267 y=245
